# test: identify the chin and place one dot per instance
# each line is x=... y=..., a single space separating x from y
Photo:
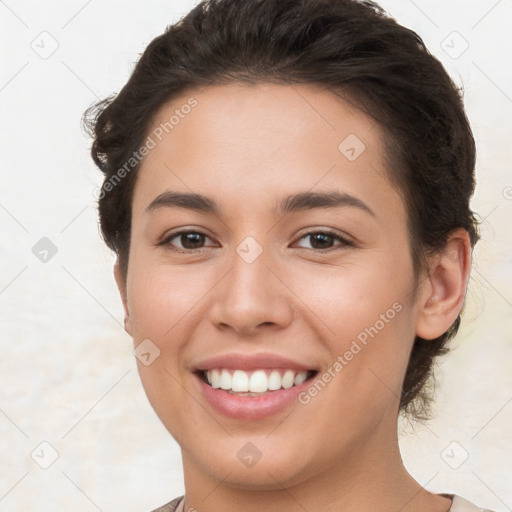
x=239 y=463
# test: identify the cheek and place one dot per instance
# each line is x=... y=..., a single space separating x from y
x=363 y=316
x=161 y=298
x=352 y=297
x=162 y=302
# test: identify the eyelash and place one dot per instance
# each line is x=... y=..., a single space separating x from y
x=337 y=237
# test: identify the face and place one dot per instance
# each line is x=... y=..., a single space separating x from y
x=294 y=265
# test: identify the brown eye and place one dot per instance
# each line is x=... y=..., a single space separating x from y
x=321 y=241
x=184 y=241
x=325 y=240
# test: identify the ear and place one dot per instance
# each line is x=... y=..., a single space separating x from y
x=121 y=285
x=443 y=291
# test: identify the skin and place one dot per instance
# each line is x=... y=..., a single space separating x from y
x=247 y=147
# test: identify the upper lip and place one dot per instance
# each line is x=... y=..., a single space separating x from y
x=239 y=361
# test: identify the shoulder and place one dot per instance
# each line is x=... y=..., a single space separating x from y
x=169 y=507
x=460 y=504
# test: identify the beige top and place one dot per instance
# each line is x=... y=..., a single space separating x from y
x=459 y=504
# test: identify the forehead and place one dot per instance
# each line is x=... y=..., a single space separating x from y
x=248 y=143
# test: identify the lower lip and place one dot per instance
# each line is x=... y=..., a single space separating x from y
x=251 y=407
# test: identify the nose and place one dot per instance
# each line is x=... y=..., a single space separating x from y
x=251 y=297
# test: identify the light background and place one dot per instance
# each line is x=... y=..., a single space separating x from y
x=67 y=371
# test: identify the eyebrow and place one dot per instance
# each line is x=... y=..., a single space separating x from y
x=293 y=203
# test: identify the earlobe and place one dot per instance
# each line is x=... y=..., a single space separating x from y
x=121 y=285
x=444 y=289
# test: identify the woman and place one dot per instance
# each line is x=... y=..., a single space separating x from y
x=287 y=189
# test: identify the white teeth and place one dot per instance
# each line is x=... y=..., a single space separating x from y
x=274 y=380
x=257 y=381
x=287 y=381
x=240 y=381
x=225 y=380
x=214 y=378
x=300 y=378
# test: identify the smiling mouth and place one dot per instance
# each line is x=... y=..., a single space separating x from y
x=256 y=382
